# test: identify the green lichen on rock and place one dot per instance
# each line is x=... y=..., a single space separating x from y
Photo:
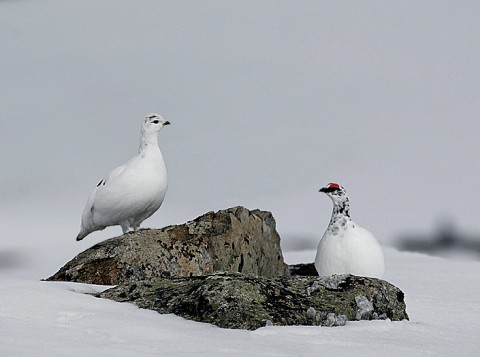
x=241 y=301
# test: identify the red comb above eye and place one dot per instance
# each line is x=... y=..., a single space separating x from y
x=333 y=185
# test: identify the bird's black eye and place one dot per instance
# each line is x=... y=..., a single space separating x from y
x=155 y=122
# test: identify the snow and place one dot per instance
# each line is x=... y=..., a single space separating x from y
x=45 y=319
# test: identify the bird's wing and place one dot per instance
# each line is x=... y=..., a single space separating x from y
x=366 y=256
x=102 y=189
x=87 y=215
x=113 y=174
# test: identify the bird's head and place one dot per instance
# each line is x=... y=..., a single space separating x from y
x=336 y=192
x=153 y=123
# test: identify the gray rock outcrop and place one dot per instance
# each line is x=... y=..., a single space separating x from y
x=231 y=240
x=242 y=301
x=227 y=268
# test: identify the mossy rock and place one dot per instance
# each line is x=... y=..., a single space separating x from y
x=241 y=301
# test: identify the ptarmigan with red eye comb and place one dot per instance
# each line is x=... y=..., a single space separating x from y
x=345 y=247
x=132 y=192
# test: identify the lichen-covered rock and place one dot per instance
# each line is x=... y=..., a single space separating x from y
x=234 y=240
x=241 y=301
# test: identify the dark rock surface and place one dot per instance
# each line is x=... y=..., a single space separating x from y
x=232 y=240
x=303 y=269
x=242 y=301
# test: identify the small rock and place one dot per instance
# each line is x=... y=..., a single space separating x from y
x=311 y=313
x=333 y=282
x=364 y=308
x=302 y=269
x=334 y=320
x=341 y=320
x=330 y=320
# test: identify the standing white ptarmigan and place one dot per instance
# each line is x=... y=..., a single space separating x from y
x=345 y=247
x=132 y=192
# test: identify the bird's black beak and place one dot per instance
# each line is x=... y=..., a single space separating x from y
x=167 y=123
x=327 y=189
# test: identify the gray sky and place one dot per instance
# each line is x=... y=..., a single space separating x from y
x=268 y=100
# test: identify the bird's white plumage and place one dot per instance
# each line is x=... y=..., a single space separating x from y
x=131 y=192
x=345 y=247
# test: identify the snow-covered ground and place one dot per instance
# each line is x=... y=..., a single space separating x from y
x=58 y=319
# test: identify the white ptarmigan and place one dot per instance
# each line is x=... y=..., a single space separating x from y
x=132 y=192
x=346 y=248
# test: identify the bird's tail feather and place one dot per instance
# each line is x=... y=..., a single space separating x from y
x=81 y=235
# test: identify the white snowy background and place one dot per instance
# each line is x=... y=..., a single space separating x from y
x=268 y=100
